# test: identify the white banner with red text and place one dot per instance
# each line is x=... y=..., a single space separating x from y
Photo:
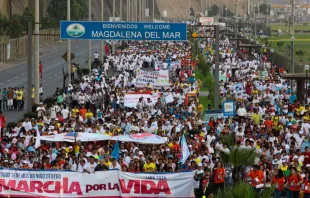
x=157 y=185
x=152 y=79
x=113 y=184
x=131 y=100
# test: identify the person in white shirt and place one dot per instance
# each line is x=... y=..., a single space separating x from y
x=242 y=111
x=96 y=56
x=27 y=124
x=81 y=99
x=115 y=165
x=91 y=165
x=65 y=113
x=83 y=167
x=41 y=110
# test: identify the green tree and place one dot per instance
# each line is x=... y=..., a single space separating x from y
x=203 y=65
x=237 y=157
x=214 y=10
x=57 y=10
x=229 y=13
x=264 y=9
x=27 y=16
x=15 y=27
x=243 y=190
x=3 y=25
x=280 y=44
x=301 y=54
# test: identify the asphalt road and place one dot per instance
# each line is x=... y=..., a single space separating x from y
x=16 y=76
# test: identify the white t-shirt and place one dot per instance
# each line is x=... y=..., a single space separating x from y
x=65 y=113
x=91 y=167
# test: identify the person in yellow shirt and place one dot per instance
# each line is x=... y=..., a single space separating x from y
x=74 y=111
x=149 y=166
x=89 y=114
x=32 y=93
x=107 y=162
x=256 y=117
x=200 y=109
x=300 y=109
x=19 y=97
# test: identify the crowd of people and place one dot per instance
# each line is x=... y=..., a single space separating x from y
x=268 y=119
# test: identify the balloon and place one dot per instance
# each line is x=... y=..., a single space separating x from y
x=13 y=156
x=14 y=140
x=26 y=142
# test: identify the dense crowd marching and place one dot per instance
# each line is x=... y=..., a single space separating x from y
x=269 y=119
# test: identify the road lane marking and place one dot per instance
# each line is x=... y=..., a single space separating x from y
x=43 y=81
x=50 y=77
x=23 y=74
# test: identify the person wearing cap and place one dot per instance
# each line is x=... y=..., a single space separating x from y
x=5 y=164
x=198 y=176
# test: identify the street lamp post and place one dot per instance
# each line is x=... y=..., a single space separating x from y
x=292 y=58
x=271 y=56
x=306 y=68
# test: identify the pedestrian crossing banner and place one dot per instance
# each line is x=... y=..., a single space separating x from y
x=153 y=79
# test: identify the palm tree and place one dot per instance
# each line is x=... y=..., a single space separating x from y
x=243 y=190
x=238 y=157
x=280 y=44
x=301 y=54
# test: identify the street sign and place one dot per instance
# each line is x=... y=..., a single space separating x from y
x=229 y=108
x=147 y=12
x=65 y=56
x=94 y=30
x=165 y=13
x=115 y=19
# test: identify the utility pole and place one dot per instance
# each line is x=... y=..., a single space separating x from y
x=267 y=3
x=113 y=43
x=153 y=12
x=217 y=63
x=143 y=10
x=226 y=8
x=255 y=9
x=189 y=9
x=121 y=10
x=292 y=41
x=89 y=41
x=236 y=19
x=69 y=43
x=102 y=41
x=128 y=10
x=29 y=68
x=136 y=6
x=37 y=53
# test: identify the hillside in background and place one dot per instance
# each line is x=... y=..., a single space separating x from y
x=176 y=9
